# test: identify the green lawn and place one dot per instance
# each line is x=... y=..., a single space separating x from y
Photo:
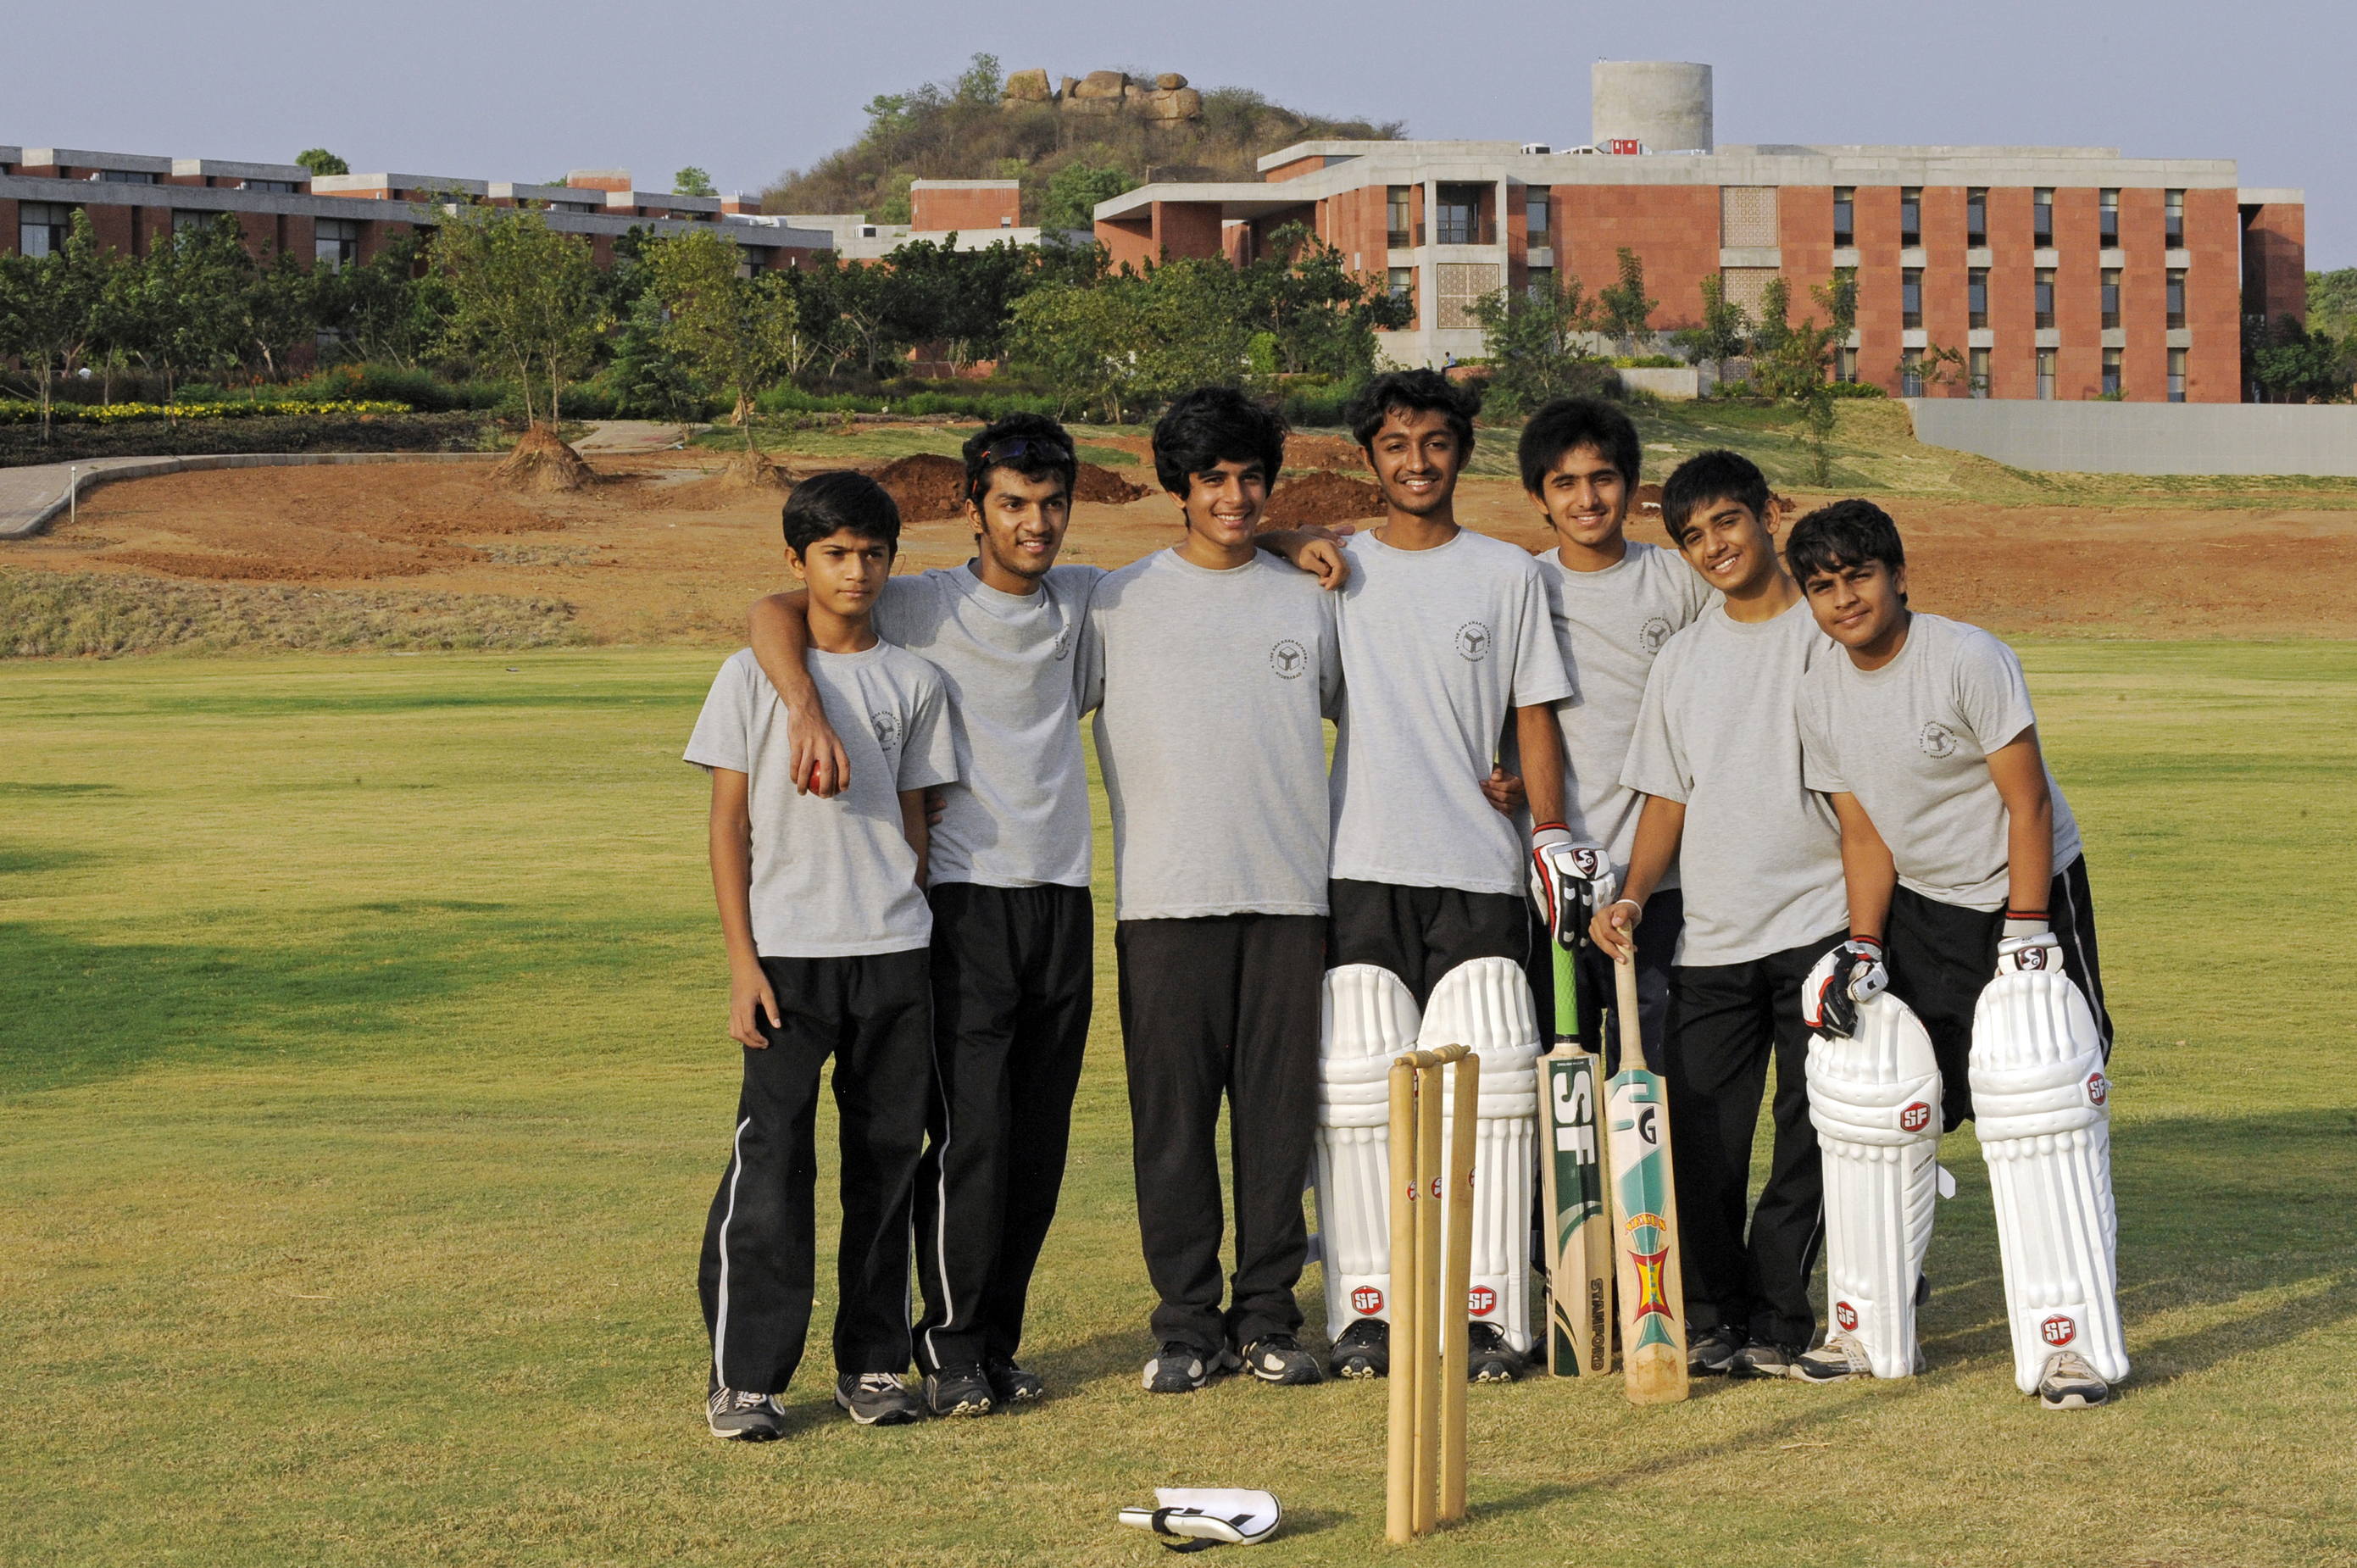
x=363 y=1083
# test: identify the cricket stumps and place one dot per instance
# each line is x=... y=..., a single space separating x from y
x=1424 y=1468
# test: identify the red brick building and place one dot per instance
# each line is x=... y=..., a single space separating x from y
x=2054 y=272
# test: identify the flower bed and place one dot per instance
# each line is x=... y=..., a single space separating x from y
x=20 y=410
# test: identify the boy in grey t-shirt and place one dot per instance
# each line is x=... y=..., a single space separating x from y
x=1717 y=752
x=1614 y=602
x=1958 y=841
x=823 y=909
x=1211 y=670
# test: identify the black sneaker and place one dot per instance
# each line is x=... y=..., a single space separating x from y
x=1275 y=1359
x=1711 y=1352
x=1489 y=1359
x=1180 y=1369
x=1764 y=1359
x=1363 y=1351
x=878 y=1399
x=2069 y=1383
x=1010 y=1384
x=957 y=1390
x=743 y=1417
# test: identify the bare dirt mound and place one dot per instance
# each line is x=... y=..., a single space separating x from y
x=541 y=462
x=1322 y=452
x=1097 y=484
x=1649 y=499
x=1315 y=499
x=927 y=486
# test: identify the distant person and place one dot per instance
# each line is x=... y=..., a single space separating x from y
x=1963 y=863
x=1717 y=754
x=822 y=906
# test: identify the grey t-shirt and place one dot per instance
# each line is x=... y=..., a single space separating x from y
x=1208 y=688
x=1610 y=625
x=1441 y=647
x=1019 y=814
x=1761 y=855
x=833 y=878
x=1912 y=741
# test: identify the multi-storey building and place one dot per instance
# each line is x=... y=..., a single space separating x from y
x=2054 y=272
x=132 y=199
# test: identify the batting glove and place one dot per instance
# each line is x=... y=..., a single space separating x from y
x=2028 y=953
x=1569 y=882
x=1851 y=973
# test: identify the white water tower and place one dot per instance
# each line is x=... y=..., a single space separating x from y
x=1662 y=106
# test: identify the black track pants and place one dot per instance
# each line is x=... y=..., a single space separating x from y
x=1422 y=933
x=1657 y=948
x=1224 y=1005
x=1727 y=1021
x=1012 y=975
x=1941 y=957
x=874 y=1016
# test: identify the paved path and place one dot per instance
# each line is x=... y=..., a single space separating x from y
x=32 y=498
x=634 y=435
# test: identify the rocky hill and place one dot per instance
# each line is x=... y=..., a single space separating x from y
x=1071 y=140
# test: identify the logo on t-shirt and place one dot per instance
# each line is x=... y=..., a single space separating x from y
x=887 y=729
x=1473 y=641
x=1936 y=739
x=1656 y=632
x=1063 y=640
x=1289 y=658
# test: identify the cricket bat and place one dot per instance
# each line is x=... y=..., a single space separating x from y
x=1578 y=1227
x=1644 y=1215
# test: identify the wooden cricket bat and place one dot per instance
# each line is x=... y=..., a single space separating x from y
x=1644 y=1215
x=1579 y=1228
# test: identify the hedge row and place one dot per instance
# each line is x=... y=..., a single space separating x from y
x=19 y=411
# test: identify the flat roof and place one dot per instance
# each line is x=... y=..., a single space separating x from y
x=77 y=157
x=965 y=184
x=1235 y=199
x=215 y=168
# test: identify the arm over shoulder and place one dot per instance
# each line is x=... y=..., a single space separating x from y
x=929 y=749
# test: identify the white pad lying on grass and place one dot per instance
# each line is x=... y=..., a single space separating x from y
x=1209 y=1515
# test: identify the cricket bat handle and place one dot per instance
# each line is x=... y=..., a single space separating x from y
x=1633 y=1035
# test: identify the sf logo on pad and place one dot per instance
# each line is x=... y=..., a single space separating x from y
x=1481 y=1301
x=1847 y=1315
x=1915 y=1118
x=1366 y=1300
x=2059 y=1330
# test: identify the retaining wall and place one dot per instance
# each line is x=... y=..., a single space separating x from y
x=2145 y=437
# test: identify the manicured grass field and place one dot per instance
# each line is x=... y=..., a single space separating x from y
x=363 y=1083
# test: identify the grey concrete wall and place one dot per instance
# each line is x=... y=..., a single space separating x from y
x=2145 y=438
x=1664 y=105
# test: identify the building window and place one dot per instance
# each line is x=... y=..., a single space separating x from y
x=1460 y=215
x=1844 y=210
x=1403 y=284
x=1910 y=298
x=1395 y=219
x=1976 y=216
x=1976 y=298
x=1978 y=370
x=2041 y=216
x=41 y=228
x=2176 y=297
x=1457 y=287
x=2111 y=372
x=2111 y=296
x=2046 y=374
x=1844 y=364
x=185 y=222
x=2045 y=296
x=335 y=242
x=2109 y=218
x=1542 y=285
x=1911 y=216
x=2177 y=375
x=1536 y=218
x=2172 y=218
x=122 y=176
x=1910 y=372
x=270 y=186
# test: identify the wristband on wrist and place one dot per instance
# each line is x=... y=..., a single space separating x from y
x=1874 y=942
x=1542 y=827
x=2025 y=914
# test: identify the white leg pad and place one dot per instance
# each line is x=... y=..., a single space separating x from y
x=1875 y=1100
x=1485 y=1003
x=1366 y=1016
x=2045 y=1124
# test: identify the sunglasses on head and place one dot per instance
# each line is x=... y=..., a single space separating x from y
x=1019 y=446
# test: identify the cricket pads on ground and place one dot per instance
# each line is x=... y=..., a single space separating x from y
x=1485 y=1003
x=1366 y=1016
x=1875 y=1099
x=2043 y=1108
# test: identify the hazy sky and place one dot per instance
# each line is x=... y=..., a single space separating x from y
x=491 y=91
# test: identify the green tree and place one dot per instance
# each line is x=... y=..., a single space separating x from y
x=691 y=181
x=280 y=310
x=389 y=308
x=1074 y=192
x=1134 y=338
x=180 y=308
x=50 y=307
x=1081 y=341
x=979 y=85
x=651 y=380
x=320 y=161
x=1624 y=308
x=732 y=332
x=1790 y=363
x=1535 y=348
x=2291 y=364
x=1320 y=315
x=1724 y=329
x=522 y=296
x=958 y=299
x=2332 y=303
